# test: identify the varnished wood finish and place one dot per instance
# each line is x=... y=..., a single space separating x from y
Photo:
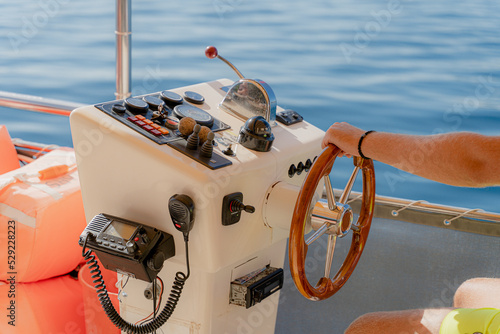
x=297 y=248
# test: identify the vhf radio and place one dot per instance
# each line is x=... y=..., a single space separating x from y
x=127 y=247
x=138 y=251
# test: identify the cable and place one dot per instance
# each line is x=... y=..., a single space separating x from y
x=114 y=316
x=157 y=306
x=154 y=300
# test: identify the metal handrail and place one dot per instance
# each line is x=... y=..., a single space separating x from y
x=123 y=48
x=36 y=103
x=430 y=214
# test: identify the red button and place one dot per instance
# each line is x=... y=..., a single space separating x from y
x=136 y=239
x=156 y=133
x=132 y=119
x=148 y=127
x=140 y=123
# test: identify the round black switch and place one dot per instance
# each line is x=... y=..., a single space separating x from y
x=118 y=108
x=153 y=102
x=136 y=106
x=194 y=97
x=171 y=99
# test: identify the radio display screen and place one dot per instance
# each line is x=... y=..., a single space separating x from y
x=120 y=230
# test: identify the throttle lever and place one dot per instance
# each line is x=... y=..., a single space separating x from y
x=211 y=53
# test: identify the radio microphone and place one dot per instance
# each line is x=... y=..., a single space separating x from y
x=181 y=208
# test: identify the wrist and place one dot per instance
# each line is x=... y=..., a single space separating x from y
x=360 y=143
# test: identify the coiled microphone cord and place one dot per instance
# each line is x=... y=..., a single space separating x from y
x=114 y=316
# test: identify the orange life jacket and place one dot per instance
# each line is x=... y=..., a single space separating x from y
x=41 y=215
x=8 y=155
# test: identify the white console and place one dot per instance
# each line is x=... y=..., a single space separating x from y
x=128 y=170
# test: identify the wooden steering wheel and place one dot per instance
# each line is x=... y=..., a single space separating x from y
x=336 y=221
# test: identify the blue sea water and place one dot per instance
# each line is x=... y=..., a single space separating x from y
x=410 y=66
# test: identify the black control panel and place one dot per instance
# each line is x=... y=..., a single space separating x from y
x=156 y=116
x=128 y=247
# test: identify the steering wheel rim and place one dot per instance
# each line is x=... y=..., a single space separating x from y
x=297 y=247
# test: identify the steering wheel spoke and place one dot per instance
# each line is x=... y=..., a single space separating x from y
x=330 y=196
x=332 y=240
x=348 y=188
x=315 y=236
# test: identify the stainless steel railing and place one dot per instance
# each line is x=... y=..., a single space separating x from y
x=436 y=215
x=36 y=103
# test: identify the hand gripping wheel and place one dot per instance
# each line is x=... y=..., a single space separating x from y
x=338 y=224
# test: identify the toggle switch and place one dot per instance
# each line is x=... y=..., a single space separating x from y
x=232 y=205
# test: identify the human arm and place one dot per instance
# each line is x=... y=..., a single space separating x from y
x=459 y=158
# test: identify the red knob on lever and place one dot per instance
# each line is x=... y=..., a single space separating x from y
x=211 y=53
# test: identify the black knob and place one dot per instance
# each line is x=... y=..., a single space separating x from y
x=155 y=263
x=300 y=168
x=131 y=246
x=308 y=165
x=136 y=106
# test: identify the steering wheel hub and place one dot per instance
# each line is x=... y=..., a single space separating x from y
x=339 y=220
